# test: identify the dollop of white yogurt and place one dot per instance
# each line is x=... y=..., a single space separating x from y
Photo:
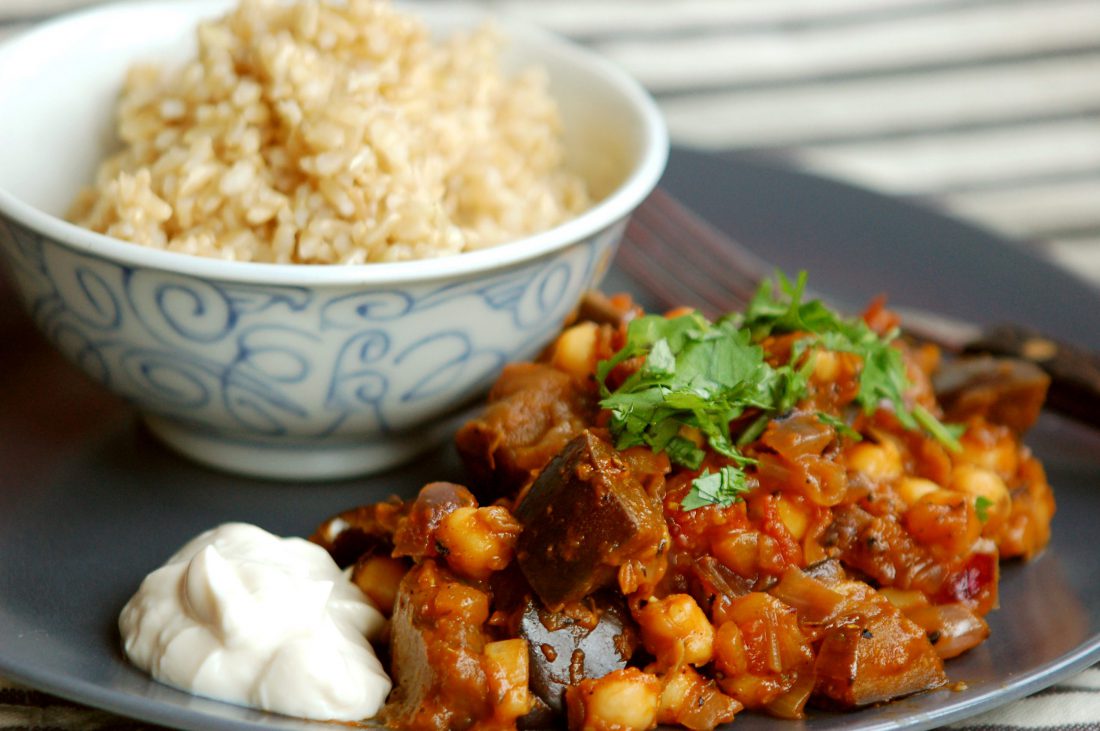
x=244 y=616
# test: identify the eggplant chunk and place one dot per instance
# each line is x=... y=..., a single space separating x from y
x=359 y=532
x=876 y=655
x=533 y=411
x=435 y=647
x=588 y=639
x=1005 y=391
x=597 y=307
x=584 y=516
x=448 y=673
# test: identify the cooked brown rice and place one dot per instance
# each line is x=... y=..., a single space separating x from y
x=332 y=133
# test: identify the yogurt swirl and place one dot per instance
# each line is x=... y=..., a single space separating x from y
x=247 y=617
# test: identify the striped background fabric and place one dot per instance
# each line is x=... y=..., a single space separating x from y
x=989 y=109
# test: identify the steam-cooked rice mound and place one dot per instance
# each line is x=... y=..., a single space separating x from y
x=332 y=133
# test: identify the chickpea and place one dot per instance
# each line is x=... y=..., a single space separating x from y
x=478 y=541
x=676 y=631
x=880 y=462
x=913 y=489
x=378 y=577
x=991 y=447
x=739 y=551
x=984 y=484
x=692 y=701
x=980 y=482
x=770 y=557
x=729 y=649
x=623 y=700
x=794 y=515
x=464 y=603
x=574 y=350
x=759 y=649
x=506 y=670
x=826 y=366
x=679 y=690
x=944 y=521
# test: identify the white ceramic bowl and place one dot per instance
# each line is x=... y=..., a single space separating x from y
x=279 y=370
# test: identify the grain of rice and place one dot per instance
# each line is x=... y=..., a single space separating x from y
x=329 y=132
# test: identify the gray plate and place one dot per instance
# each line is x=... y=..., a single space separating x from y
x=89 y=503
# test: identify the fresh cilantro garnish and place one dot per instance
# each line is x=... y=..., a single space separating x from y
x=699 y=376
x=684 y=451
x=722 y=488
x=786 y=387
x=946 y=434
x=981 y=507
x=784 y=312
x=882 y=376
x=840 y=426
x=955 y=431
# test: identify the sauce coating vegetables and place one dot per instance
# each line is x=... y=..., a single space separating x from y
x=669 y=521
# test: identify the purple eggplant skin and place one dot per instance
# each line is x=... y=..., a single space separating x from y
x=584 y=516
x=587 y=639
x=1006 y=391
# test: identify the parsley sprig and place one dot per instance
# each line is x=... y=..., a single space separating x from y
x=840 y=426
x=981 y=507
x=723 y=487
x=699 y=376
x=882 y=376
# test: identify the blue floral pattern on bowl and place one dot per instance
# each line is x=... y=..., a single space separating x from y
x=281 y=368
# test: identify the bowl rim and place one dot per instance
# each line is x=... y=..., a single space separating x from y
x=614 y=207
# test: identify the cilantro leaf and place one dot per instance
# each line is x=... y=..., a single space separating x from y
x=696 y=374
x=722 y=488
x=753 y=431
x=839 y=425
x=644 y=332
x=684 y=451
x=981 y=507
x=786 y=312
x=947 y=434
x=698 y=377
x=882 y=377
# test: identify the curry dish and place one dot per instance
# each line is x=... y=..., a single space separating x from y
x=669 y=520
